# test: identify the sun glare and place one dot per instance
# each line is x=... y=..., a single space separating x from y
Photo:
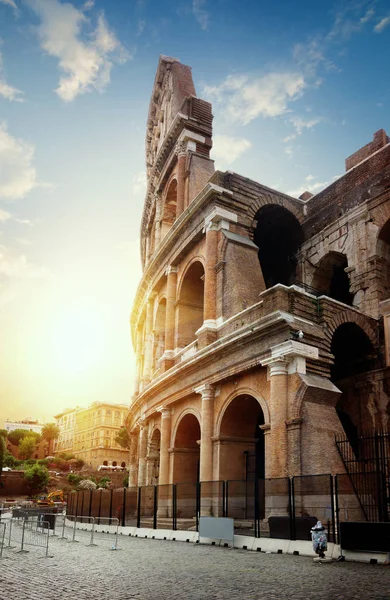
x=77 y=341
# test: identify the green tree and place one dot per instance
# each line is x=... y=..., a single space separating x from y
x=17 y=435
x=37 y=478
x=50 y=432
x=122 y=438
x=27 y=446
x=4 y=433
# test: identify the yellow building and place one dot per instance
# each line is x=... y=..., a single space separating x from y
x=93 y=434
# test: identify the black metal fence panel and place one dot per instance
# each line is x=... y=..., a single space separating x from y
x=147 y=508
x=131 y=507
x=313 y=500
x=187 y=506
x=212 y=498
x=165 y=508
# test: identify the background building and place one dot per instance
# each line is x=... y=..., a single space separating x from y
x=260 y=319
x=26 y=424
x=90 y=433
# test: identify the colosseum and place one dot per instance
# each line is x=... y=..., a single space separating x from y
x=261 y=321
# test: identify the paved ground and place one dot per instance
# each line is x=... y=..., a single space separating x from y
x=161 y=570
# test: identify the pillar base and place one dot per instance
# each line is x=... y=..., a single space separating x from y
x=207 y=334
x=166 y=362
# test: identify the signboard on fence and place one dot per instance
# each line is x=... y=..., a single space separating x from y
x=219 y=528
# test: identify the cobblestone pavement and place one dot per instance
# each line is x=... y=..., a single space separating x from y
x=157 y=570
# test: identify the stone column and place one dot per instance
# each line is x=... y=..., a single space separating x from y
x=166 y=360
x=279 y=411
x=148 y=357
x=181 y=168
x=206 y=444
x=133 y=471
x=143 y=444
x=138 y=359
x=294 y=446
x=164 y=445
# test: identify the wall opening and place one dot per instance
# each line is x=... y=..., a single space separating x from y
x=331 y=278
x=169 y=209
x=354 y=355
x=189 y=307
x=153 y=458
x=383 y=251
x=186 y=450
x=278 y=235
x=241 y=449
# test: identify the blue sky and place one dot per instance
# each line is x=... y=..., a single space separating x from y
x=295 y=87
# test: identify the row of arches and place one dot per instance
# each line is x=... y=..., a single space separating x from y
x=240 y=442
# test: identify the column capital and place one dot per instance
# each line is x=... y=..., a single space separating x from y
x=171 y=269
x=293 y=354
x=165 y=412
x=180 y=148
x=207 y=391
x=219 y=218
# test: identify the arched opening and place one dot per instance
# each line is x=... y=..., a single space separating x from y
x=105 y=463
x=169 y=209
x=189 y=308
x=241 y=445
x=159 y=332
x=153 y=458
x=114 y=463
x=383 y=251
x=331 y=278
x=354 y=355
x=123 y=464
x=278 y=235
x=186 y=450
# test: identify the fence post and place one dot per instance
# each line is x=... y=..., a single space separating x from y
x=22 y=543
x=124 y=507
x=82 y=505
x=223 y=499
x=139 y=508
x=174 y=506
x=337 y=509
x=332 y=508
x=111 y=493
x=198 y=501
x=100 y=504
x=227 y=499
x=155 y=507
x=90 y=503
x=291 y=507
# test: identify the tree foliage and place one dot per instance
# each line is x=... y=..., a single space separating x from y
x=3 y=433
x=50 y=432
x=2 y=453
x=37 y=478
x=17 y=435
x=27 y=446
x=122 y=438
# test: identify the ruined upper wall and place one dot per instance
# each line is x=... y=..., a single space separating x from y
x=172 y=85
x=380 y=139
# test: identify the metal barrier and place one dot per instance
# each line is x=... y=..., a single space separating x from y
x=105 y=530
x=35 y=532
x=77 y=529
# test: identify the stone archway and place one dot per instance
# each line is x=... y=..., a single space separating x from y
x=278 y=235
x=331 y=279
x=186 y=450
x=189 y=309
x=153 y=458
x=240 y=446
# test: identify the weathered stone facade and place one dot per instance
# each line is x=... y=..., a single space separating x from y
x=258 y=322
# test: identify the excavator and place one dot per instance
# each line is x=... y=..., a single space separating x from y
x=52 y=498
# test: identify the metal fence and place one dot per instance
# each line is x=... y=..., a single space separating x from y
x=2 y=537
x=281 y=508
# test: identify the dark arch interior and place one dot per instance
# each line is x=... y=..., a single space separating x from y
x=278 y=236
x=354 y=355
x=332 y=279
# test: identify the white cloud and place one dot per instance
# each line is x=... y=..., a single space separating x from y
x=139 y=183
x=17 y=173
x=200 y=14
x=383 y=23
x=312 y=186
x=88 y=5
x=85 y=65
x=12 y=4
x=299 y=124
x=227 y=149
x=18 y=267
x=4 y=216
x=246 y=98
x=8 y=91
